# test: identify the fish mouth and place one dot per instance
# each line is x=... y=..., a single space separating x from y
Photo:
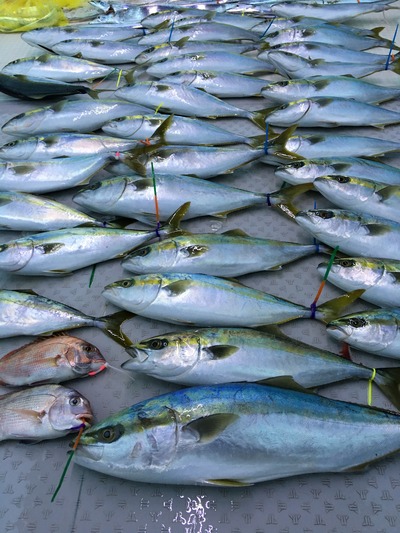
x=138 y=355
x=93 y=452
x=338 y=332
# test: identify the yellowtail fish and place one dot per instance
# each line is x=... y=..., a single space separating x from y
x=52 y=360
x=43 y=412
x=234 y=435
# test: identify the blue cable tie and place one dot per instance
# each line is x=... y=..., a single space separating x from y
x=172 y=29
x=313 y=308
x=391 y=47
x=269 y=200
x=268 y=27
x=157 y=230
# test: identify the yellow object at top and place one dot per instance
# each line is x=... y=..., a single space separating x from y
x=25 y=15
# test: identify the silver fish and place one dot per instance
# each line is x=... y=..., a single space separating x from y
x=308 y=170
x=231 y=435
x=329 y=86
x=79 y=116
x=220 y=84
x=331 y=112
x=210 y=356
x=105 y=52
x=60 y=252
x=200 y=300
x=27 y=313
x=379 y=278
x=230 y=254
x=364 y=196
x=44 y=412
x=38 y=176
x=61 y=68
x=26 y=212
x=59 y=358
x=355 y=233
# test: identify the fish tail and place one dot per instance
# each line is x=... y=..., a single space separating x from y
x=111 y=325
x=277 y=143
x=332 y=309
x=395 y=66
x=388 y=381
x=283 y=198
x=259 y=117
x=172 y=226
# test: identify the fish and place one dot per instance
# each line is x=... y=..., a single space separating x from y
x=157 y=53
x=206 y=31
x=105 y=52
x=76 y=116
x=374 y=331
x=53 y=360
x=39 y=176
x=26 y=212
x=49 y=146
x=291 y=65
x=326 y=34
x=215 y=61
x=176 y=130
x=231 y=436
x=353 y=232
x=328 y=13
x=36 y=88
x=60 y=68
x=133 y=196
x=210 y=356
x=329 y=86
x=379 y=278
x=48 y=37
x=308 y=170
x=28 y=313
x=201 y=300
x=288 y=146
x=364 y=196
x=61 y=252
x=184 y=100
x=43 y=412
x=229 y=254
x=196 y=161
x=331 y=112
x=219 y=84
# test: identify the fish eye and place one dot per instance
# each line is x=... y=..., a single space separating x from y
x=3 y=247
x=347 y=263
x=142 y=252
x=111 y=433
x=151 y=49
x=300 y=164
x=282 y=83
x=75 y=400
x=12 y=143
x=127 y=283
x=95 y=186
x=157 y=344
x=273 y=34
x=87 y=348
x=324 y=214
x=342 y=179
x=357 y=322
x=120 y=119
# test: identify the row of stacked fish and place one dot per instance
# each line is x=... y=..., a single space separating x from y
x=157 y=128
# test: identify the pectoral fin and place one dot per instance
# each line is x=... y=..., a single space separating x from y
x=228 y=483
x=209 y=427
x=376 y=230
x=50 y=247
x=222 y=351
x=177 y=288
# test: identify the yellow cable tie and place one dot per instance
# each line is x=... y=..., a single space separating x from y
x=119 y=77
x=158 y=108
x=370 y=381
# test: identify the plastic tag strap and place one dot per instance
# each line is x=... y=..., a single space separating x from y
x=269 y=200
x=313 y=306
x=92 y=275
x=370 y=381
x=71 y=454
x=391 y=47
x=172 y=29
x=156 y=202
x=268 y=27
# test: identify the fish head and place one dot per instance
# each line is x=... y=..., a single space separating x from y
x=285 y=62
x=133 y=443
x=369 y=330
x=345 y=188
x=21 y=149
x=69 y=410
x=159 y=256
x=149 y=54
x=324 y=222
x=26 y=123
x=102 y=195
x=125 y=126
x=290 y=113
x=305 y=171
x=134 y=294
x=165 y=356
x=360 y=272
x=83 y=357
x=15 y=255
